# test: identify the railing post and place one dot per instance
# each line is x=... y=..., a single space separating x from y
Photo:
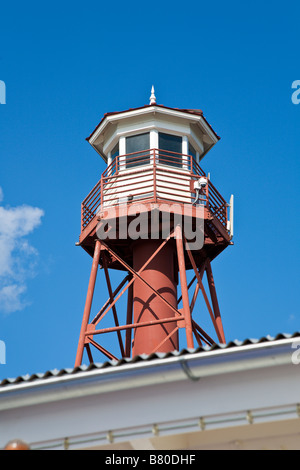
x=154 y=176
x=101 y=195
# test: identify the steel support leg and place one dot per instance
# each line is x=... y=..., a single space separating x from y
x=129 y=321
x=184 y=288
x=214 y=299
x=88 y=303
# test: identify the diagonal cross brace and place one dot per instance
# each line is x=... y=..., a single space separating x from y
x=135 y=275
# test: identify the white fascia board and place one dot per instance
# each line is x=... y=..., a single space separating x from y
x=159 y=124
x=138 y=112
x=192 y=366
x=207 y=130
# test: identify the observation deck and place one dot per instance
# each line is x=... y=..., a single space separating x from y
x=149 y=180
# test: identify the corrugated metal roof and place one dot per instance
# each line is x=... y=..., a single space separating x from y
x=143 y=358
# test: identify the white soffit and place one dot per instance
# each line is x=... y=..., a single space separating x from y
x=166 y=112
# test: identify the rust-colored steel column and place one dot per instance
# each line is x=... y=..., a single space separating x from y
x=160 y=274
x=184 y=288
x=214 y=299
x=88 y=303
x=129 y=321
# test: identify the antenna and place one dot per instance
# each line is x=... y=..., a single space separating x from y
x=230 y=222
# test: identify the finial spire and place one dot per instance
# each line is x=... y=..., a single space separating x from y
x=152 y=97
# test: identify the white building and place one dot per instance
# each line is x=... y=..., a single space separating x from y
x=238 y=396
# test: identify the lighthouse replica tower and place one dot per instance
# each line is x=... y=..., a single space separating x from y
x=154 y=215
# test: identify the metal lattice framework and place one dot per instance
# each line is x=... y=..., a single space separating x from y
x=184 y=317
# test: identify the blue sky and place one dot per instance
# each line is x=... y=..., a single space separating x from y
x=64 y=66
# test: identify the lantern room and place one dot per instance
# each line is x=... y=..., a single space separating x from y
x=132 y=142
x=181 y=131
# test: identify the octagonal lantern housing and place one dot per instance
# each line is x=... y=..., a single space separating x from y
x=132 y=142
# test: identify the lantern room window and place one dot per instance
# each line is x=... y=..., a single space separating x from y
x=137 y=150
x=173 y=146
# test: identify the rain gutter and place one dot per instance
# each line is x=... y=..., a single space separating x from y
x=193 y=366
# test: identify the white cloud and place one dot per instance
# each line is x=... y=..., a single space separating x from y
x=17 y=256
x=11 y=298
